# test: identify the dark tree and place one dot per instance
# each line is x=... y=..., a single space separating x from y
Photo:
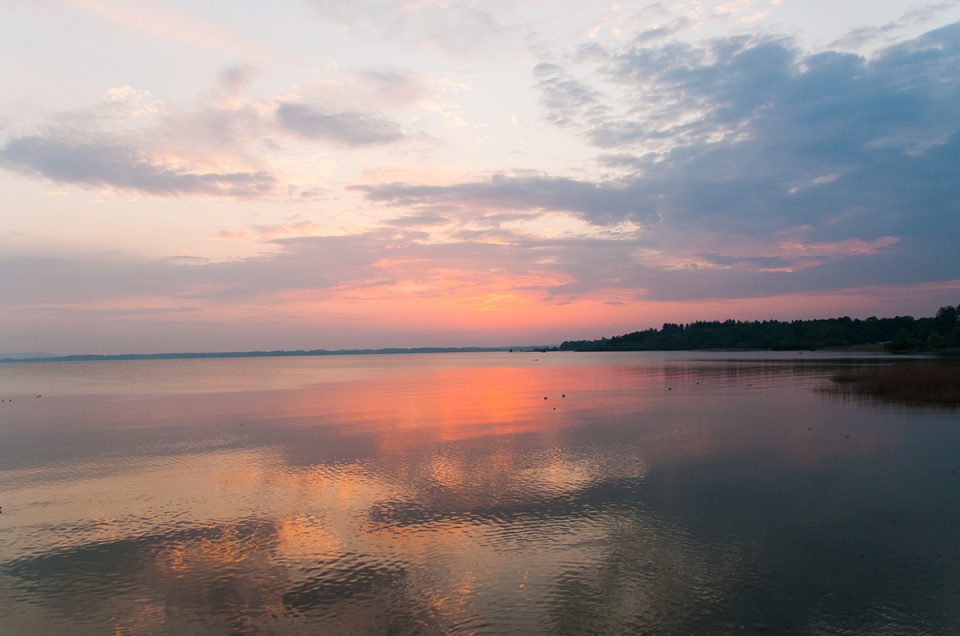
x=901 y=333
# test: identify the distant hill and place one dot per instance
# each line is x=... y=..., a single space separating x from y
x=26 y=355
x=899 y=334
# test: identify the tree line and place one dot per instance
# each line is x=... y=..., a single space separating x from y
x=898 y=334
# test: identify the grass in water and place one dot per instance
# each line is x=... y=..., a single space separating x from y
x=937 y=383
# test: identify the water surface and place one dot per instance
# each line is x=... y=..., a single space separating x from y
x=472 y=493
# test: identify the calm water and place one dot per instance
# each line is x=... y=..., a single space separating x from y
x=648 y=493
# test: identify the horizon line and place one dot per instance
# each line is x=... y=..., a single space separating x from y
x=275 y=353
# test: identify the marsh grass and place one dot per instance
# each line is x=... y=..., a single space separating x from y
x=936 y=383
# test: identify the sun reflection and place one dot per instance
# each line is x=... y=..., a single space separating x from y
x=461 y=404
x=229 y=547
x=303 y=535
x=446 y=471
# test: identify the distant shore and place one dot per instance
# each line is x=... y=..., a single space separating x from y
x=872 y=348
x=260 y=354
x=900 y=334
x=939 y=334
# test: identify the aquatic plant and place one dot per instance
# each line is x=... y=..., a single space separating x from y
x=916 y=383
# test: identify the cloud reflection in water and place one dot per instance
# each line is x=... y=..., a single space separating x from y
x=661 y=495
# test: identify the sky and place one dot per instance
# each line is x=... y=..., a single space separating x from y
x=208 y=176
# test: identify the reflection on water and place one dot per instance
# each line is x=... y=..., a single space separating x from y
x=481 y=493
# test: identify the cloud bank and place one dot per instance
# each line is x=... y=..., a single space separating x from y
x=751 y=166
x=106 y=164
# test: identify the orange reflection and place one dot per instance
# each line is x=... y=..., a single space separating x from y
x=228 y=548
x=301 y=536
x=440 y=406
x=435 y=515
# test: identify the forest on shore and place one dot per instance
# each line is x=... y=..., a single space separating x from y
x=899 y=334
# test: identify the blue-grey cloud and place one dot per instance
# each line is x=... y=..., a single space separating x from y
x=419 y=220
x=565 y=98
x=767 y=91
x=648 y=36
x=779 y=139
x=349 y=128
x=751 y=137
x=600 y=202
x=870 y=34
x=104 y=163
x=761 y=262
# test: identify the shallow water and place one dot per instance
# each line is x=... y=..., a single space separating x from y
x=472 y=493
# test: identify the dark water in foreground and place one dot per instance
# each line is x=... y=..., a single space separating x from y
x=649 y=493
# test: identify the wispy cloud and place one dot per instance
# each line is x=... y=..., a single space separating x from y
x=565 y=98
x=347 y=128
x=225 y=143
x=884 y=34
x=291 y=228
x=102 y=163
x=462 y=27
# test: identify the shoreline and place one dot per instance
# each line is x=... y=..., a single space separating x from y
x=854 y=349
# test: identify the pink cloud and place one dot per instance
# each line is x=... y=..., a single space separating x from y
x=848 y=247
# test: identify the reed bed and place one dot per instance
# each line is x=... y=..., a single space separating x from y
x=928 y=383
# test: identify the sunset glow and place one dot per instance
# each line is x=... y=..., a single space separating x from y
x=188 y=176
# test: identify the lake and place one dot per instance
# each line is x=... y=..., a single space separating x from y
x=491 y=493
